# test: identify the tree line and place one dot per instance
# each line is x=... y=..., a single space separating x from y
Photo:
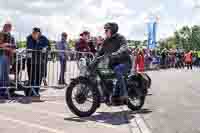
x=187 y=38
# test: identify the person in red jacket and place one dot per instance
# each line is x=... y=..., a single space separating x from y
x=139 y=62
x=82 y=44
x=188 y=60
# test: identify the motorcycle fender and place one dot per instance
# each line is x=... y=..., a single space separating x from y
x=137 y=82
x=143 y=78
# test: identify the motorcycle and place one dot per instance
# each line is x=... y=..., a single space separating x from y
x=87 y=92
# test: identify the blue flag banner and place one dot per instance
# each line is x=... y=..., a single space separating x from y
x=152 y=35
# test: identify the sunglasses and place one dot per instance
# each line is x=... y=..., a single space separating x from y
x=64 y=35
x=106 y=30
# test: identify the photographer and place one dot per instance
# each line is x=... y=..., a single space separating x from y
x=6 y=51
x=37 y=63
x=7 y=28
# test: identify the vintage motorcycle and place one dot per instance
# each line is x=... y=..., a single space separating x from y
x=95 y=86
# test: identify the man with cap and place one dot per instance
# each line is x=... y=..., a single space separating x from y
x=63 y=46
x=36 y=64
x=116 y=46
x=82 y=44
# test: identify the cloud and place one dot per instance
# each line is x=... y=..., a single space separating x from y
x=73 y=16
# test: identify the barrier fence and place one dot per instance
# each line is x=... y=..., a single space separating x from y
x=29 y=70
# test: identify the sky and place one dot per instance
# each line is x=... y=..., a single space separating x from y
x=74 y=16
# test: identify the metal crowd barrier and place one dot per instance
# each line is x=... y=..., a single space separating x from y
x=33 y=69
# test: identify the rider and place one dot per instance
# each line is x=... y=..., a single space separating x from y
x=116 y=46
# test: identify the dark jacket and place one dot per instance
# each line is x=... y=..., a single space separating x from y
x=10 y=39
x=37 y=56
x=117 y=47
x=82 y=46
x=43 y=42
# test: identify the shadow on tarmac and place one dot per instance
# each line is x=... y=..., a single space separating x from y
x=22 y=100
x=112 y=118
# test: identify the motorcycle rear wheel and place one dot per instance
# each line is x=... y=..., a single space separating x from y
x=138 y=106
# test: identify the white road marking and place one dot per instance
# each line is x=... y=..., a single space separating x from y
x=53 y=102
x=33 y=125
x=60 y=115
x=138 y=121
x=143 y=127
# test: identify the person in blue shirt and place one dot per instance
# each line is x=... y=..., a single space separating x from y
x=37 y=60
x=6 y=52
x=62 y=46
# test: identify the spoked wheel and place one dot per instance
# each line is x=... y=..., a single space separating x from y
x=81 y=98
x=136 y=103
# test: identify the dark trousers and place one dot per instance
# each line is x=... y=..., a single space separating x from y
x=35 y=75
x=62 y=71
x=189 y=65
x=45 y=65
x=198 y=62
x=120 y=88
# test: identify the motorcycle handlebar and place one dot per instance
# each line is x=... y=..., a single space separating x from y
x=97 y=60
x=102 y=57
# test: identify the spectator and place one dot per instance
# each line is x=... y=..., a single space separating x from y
x=163 y=58
x=91 y=45
x=139 y=62
x=147 y=59
x=188 y=60
x=172 y=59
x=195 y=60
x=99 y=42
x=5 y=54
x=36 y=64
x=62 y=45
x=134 y=55
x=198 y=58
x=183 y=59
x=7 y=28
x=82 y=44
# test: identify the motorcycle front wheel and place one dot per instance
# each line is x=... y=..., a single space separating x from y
x=82 y=97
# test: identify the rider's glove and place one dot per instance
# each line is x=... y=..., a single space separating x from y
x=114 y=56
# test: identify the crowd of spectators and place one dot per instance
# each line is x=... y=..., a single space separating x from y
x=145 y=59
x=37 y=48
x=142 y=59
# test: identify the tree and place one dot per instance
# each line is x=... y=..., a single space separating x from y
x=171 y=43
x=196 y=37
x=72 y=43
x=145 y=43
x=184 y=34
x=177 y=40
